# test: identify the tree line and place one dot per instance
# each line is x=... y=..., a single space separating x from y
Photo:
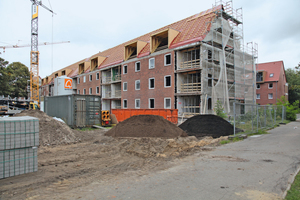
x=293 y=79
x=13 y=79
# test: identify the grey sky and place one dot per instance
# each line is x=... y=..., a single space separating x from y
x=94 y=26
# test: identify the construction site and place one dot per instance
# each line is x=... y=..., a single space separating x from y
x=161 y=88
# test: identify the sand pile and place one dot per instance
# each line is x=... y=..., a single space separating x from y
x=146 y=126
x=52 y=132
x=207 y=125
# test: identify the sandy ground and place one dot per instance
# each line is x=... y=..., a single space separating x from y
x=96 y=157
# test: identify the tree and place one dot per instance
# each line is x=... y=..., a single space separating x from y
x=4 y=78
x=293 y=79
x=19 y=74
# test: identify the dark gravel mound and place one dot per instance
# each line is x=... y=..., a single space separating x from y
x=146 y=126
x=207 y=125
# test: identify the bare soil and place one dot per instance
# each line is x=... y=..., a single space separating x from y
x=89 y=156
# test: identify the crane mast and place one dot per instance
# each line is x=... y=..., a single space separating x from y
x=34 y=53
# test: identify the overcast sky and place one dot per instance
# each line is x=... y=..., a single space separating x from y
x=94 y=25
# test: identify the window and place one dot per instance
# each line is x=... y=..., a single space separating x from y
x=91 y=77
x=78 y=80
x=97 y=76
x=209 y=107
x=167 y=104
x=125 y=103
x=257 y=96
x=137 y=85
x=90 y=91
x=270 y=95
x=151 y=103
x=137 y=103
x=167 y=81
x=78 y=92
x=257 y=86
x=151 y=83
x=84 y=79
x=125 y=69
x=125 y=86
x=270 y=85
x=271 y=75
x=167 y=59
x=209 y=81
x=259 y=76
x=97 y=90
x=151 y=63
x=83 y=91
x=138 y=66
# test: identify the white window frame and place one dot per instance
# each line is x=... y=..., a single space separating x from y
x=257 y=96
x=84 y=91
x=97 y=90
x=165 y=104
x=78 y=80
x=269 y=86
x=78 y=91
x=165 y=60
x=150 y=83
x=124 y=103
x=136 y=66
x=165 y=82
x=90 y=90
x=84 y=79
x=90 y=77
x=125 y=83
x=97 y=76
x=136 y=84
x=149 y=103
x=139 y=103
x=124 y=69
x=258 y=87
x=150 y=62
x=269 y=96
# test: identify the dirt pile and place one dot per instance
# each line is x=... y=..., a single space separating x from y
x=52 y=132
x=160 y=147
x=207 y=125
x=146 y=126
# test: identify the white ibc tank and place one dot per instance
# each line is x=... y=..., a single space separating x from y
x=62 y=86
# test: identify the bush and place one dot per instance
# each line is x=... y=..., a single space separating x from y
x=220 y=110
x=291 y=109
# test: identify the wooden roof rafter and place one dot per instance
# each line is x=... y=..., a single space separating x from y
x=133 y=48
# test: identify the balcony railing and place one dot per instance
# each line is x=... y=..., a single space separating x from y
x=189 y=64
x=190 y=87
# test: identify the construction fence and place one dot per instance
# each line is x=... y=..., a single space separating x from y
x=252 y=118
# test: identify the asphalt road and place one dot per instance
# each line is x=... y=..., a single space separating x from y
x=256 y=168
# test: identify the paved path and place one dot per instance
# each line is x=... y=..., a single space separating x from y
x=256 y=168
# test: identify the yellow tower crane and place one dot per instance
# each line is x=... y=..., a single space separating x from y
x=34 y=53
x=29 y=45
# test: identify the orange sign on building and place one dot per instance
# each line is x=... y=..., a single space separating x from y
x=68 y=83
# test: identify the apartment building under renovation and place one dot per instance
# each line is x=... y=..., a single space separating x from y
x=188 y=65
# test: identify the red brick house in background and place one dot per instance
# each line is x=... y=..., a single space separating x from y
x=270 y=82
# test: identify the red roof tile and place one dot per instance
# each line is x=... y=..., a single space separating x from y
x=191 y=29
x=271 y=68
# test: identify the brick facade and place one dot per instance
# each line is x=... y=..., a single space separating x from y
x=278 y=80
x=87 y=84
x=160 y=92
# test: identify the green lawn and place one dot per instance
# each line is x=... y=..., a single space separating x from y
x=294 y=192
